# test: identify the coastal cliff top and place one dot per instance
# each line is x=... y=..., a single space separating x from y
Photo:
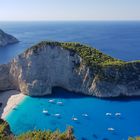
x=90 y=55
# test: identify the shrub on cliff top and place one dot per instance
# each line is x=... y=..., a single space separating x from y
x=48 y=135
x=91 y=56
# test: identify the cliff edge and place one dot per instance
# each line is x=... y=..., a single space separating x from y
x=72 y=66
x=6 y=39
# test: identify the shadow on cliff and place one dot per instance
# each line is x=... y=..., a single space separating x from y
x=4 y=97
x=123 y=98
x=58 y=92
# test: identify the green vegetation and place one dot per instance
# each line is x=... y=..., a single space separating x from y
x=103 y=66
x=91 y=56
x=48 y=135
x=5 y=134
x=134 y=138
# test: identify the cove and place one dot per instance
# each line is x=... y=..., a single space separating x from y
x=28 y=115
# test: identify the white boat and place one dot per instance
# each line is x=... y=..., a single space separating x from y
x=74 y=118
x=118 y=114
x=85 y=115
x=60 y=103
x=14 y=108
x=51 y=101
x=108 y=114
x=45 y=111
x=57 y=115
x=110 y=129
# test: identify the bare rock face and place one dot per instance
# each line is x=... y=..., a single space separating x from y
x=5 y=78
x=6 y=39
x=42 y=67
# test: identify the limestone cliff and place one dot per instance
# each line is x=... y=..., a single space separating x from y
x=6 y=39
x=72 y=66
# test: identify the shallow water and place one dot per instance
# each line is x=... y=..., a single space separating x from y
x=29 y=116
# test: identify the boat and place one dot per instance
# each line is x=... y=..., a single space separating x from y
x=74 y=118
x=85 y=115
x=60 y=103
x=57 y=115
x=117 y=114
x=14 y=108
x=110 y=129
x=51 y=101
x=108 y=114
x=45 y=111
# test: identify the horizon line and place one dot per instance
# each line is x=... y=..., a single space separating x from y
x=83 y=20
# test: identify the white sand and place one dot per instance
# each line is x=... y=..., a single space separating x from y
x=9 y=99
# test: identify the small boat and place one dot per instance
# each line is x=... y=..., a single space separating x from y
x=57 y=115
x=85 y=115
x=45 y=111
x=110 y=129
x=14 y=108
x=108 y=114
x=51 y=101
x=118 y=114
x=74 y=118
x=60 y=103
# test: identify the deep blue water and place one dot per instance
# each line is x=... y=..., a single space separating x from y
x=118 y=39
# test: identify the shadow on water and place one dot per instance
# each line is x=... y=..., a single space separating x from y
x=59 y=92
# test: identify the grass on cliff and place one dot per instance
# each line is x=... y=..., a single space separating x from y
x=91 y=56
x=98 y=62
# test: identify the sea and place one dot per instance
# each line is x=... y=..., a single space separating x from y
x=96 y=118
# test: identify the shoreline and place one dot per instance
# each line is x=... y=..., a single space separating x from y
x=9 y=100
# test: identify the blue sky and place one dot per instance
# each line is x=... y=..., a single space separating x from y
x=69 y=10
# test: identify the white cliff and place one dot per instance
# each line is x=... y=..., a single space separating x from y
x=48 y=65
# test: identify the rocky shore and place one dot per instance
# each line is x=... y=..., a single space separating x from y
x=6 y=39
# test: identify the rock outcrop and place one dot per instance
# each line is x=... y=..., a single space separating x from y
x=72 y=66
x=6 y=39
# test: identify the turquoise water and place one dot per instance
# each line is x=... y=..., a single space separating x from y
x=118 y=39
x=28 y=116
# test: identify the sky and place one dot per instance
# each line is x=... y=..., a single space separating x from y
x=30 y=10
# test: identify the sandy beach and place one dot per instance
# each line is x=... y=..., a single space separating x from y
x=9 y=99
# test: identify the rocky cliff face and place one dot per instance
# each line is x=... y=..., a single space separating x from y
x=48 y=65
x=6 y=39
